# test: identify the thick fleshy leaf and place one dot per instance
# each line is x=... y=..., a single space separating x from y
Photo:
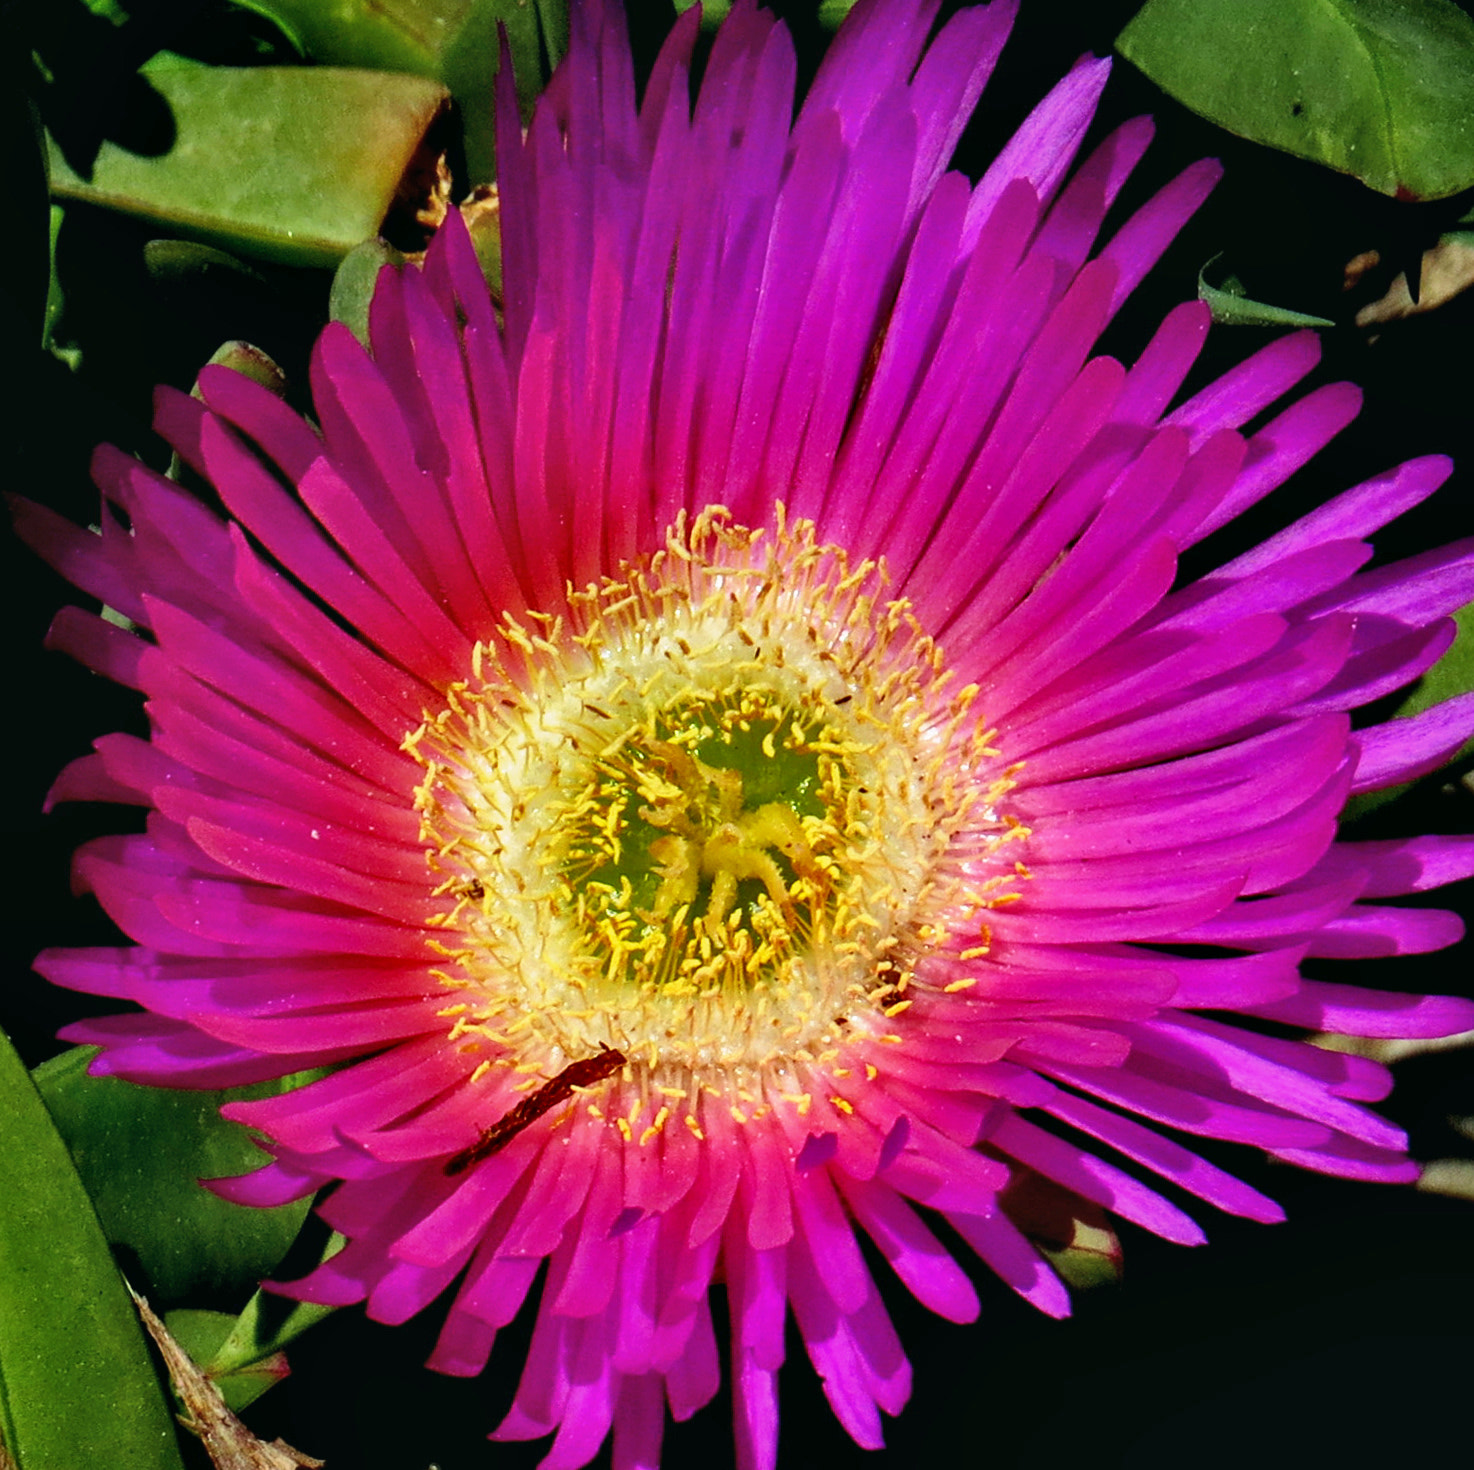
x=200 y=1334
x=175 y=260
x=713 y=12
x=293 y=164
x=76 y=1384
x=1381 y=89
x=56 y=304
x=244 y=1355
x=1452 y=674
x=109 y=10
x=141 y=1151
x=1075 y=1236
x=354 y=282
x=357 y=277
x=449 y=41
x=258 y=1336
x=250 y=362
x=830 y=13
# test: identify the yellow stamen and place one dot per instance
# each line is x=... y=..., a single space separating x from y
x=714 y=812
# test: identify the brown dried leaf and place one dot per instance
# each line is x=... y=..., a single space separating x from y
x=1448 y=1176
x=229 y=1444
x=1359 y=267
x=1389 y=1049
x=1448 y=268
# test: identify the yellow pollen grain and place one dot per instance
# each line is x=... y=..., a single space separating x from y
x=842 y=1104
x=957 y=985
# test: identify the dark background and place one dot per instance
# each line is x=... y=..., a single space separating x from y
x=1342 y=1335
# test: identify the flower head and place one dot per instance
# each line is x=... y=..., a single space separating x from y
x=717 y=761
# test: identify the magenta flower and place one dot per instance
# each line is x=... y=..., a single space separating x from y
x=718 y=763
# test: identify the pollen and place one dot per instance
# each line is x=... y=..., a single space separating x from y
x=717 y=814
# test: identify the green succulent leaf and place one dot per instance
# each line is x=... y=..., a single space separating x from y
x=291 y=164
x=1380 y=89
x=76 y=1384
x=248 y=1357
x=354 y=282
x=833 y=12
x=173 y=260
x=250 y=362
x=200 y=1334
x=244 y=1355
x=141 y=1152
x=454 y=42
x=1074 y=1235
x=713 y=12
x=1452 y=674
x=1094 y=1261
x=1232 y=306
x=51 y=340
x=108 y=10
x=55 y=300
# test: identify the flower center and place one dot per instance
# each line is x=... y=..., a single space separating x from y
x=687 y=853
x=715 y=815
